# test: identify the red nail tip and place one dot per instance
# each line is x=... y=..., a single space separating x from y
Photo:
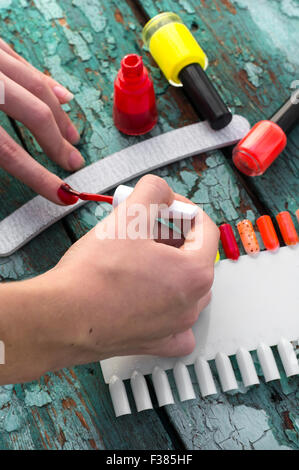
x=267 y=231
x=259 y=148
x=65 y=196
x=287 y=228
x=134 y=110
x=229 y=242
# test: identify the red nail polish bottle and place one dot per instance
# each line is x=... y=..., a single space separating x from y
x=266 y=140
x=134 y=110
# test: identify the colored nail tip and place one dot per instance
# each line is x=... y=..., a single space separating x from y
x=248 y=237
x=66 y=196
x=268 y=233
x=229 y=242
x=287 y=228
x=63 y=93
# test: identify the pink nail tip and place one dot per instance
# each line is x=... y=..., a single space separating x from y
x=76 y=161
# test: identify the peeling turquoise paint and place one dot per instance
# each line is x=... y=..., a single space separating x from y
x=49 y=9
x=254 y=73
x=35 y=396
x=4 y=4
x=12 y=421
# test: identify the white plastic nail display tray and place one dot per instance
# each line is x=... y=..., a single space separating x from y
x=255 y=305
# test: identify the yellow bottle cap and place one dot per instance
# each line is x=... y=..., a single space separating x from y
x=172 y=45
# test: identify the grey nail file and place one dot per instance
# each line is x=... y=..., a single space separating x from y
x=38 y=214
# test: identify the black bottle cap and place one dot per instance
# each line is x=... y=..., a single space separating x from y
x=204 y=96
x=288 y=115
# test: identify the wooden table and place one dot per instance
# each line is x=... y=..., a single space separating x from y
x=253 y=51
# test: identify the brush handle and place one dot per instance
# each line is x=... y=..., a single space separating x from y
x=177 y=210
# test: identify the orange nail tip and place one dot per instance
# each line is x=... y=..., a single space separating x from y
x=297 y=214
x=267 y=231
x=248 y=237
x=287 y=228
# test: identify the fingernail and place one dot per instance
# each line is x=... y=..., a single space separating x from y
x=63 y=93
x=76 y=161
x=65 y=197
x=73 y=135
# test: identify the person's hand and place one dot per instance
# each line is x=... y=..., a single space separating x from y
x=35 y=99
x=111 y=297
x=123 y=297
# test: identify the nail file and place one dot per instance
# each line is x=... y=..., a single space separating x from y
x=255 y=305
x=38 y=214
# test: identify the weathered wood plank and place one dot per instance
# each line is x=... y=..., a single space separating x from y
x=61 y=412
x=253 y=53
x=249 y=44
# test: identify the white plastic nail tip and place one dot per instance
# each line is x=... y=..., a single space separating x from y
x=288 y=357
x=246 y=366
x=267 y=361
x=162 y=387
x=119 y=397
x=204 y=377
x=183 y=382
x=226 y=373
x=140 y=392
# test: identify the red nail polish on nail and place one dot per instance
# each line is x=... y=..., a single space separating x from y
x=66 y=197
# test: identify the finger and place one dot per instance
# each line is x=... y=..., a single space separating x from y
x=35 y=82
x=150 y=195
x=204 y=302
x=16 y=161
x=180 y=344
x=151 y=189
x=201 y=241
x=21 y=105
x=62 y=93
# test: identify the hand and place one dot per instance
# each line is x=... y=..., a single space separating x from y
x=35 y=100
x=124 y=297
x=110 y=297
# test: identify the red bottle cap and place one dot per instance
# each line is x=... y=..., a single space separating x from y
x=259 y=148
x=134 y=110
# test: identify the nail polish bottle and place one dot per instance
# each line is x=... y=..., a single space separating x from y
x=183 y=63
x=266 y=140
x=134 y=110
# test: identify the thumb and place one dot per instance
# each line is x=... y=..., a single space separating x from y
x=151 y=190
x=141 y=209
